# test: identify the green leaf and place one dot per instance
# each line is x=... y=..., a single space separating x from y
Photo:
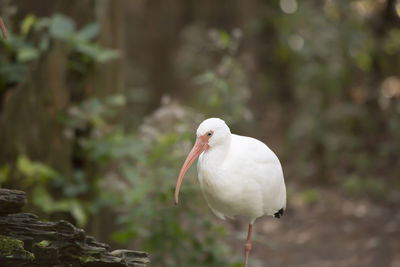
x=106 y=55
x=61 y=27
x=44 y=200
x=88 y=32
x=207 y=77
x=35 y=170
x=87 y=49
x=225 y=39
x=364 y=61
x=4 y=172
x=78 y=212
x=27 y=24
x=43 y=23
x=116 y=100
x=123 y=237
x=27 y=53
x=12 y=72
x=44 y=44
x=25 y=166
x=97 y=53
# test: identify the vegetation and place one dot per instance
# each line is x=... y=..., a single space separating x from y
x=10 y=247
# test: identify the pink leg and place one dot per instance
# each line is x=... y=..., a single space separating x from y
x=247 y=246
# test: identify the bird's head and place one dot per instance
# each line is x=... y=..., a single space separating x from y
x=210 y=133
x=214 y=131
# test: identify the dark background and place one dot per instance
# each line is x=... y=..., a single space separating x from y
x=100 y=100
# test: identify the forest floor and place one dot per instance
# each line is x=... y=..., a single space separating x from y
x=331 y=231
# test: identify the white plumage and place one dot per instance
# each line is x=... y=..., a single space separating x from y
x=248 y=181
x=238 y=175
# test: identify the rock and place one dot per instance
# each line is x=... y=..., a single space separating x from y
x=12 y=251
x=26 y=241
x=11 y=201
x=137 y=258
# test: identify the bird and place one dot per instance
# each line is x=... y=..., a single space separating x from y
x=238 y=175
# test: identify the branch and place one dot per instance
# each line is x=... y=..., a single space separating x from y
x=3 y=28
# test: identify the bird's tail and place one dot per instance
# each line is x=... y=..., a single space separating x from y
x=279 y=213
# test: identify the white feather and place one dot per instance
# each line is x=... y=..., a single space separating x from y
x=238 y=175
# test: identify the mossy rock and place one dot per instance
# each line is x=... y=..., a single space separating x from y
x=11 y=248
x=26 y=241
x=44 y=243
x=87 y=258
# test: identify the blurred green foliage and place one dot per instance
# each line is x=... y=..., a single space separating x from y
x=344 y=128
x=34 y=38
x=118 y=170
x=218 y=78
x=136 y=178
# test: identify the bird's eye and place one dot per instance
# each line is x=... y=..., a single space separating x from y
x=209 y=134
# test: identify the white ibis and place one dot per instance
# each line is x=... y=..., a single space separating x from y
x=238 y=175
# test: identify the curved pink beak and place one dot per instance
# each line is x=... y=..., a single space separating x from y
x=200 y=145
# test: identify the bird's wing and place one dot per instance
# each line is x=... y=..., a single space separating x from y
x=263 y=166
x=217 y=213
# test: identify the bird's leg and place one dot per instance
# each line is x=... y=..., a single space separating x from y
x=247 y=246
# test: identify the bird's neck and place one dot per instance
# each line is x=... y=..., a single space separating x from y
x=215 y=156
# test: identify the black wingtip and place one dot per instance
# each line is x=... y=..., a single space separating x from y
x=279 y=213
